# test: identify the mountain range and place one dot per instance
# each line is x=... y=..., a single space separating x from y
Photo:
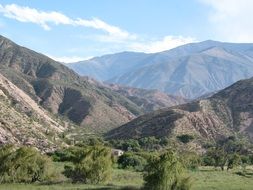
x=42 y=100
x=61 y=91
x=189 y=71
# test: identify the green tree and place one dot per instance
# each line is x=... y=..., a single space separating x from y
x=149 y=143
x=165 y=173
x=227 y=152
x=92 y=165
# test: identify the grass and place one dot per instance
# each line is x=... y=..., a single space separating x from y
x=120 y=180
x=210 y=179
x=206 y=178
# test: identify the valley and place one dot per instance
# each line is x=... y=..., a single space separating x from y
x=71 y=124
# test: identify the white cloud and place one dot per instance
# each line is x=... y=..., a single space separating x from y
x=232 y=19
x=70 y=59
x=114 y=32
x=26 y=14
x=117 y=38
x=168 y=42
x=45 y=19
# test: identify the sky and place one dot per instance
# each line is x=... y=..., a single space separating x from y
x=70 y=31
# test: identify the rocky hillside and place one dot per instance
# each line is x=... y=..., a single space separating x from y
x=228 y=112
x=188 y=71
x=148 y=100
x=61 y=91
x=22 y=121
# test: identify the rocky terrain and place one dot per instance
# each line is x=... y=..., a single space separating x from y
x=22 y=121
x=226 y=113
x=148 y=100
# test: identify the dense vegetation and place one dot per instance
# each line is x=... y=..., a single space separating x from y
x=159 y=165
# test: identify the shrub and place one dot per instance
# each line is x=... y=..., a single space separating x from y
x=233 y=161
x=92 y=165
x=190 y=160
x=185 y=138
x=164 y=141
x=129 y=160
x=165 y=173
x=23 y=165
x=149 y=143
x=245 y=159
x=126 y=145
x=65 y=155
x=208 y=160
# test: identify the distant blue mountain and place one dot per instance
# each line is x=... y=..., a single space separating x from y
x=189 y=71
x=109 y=66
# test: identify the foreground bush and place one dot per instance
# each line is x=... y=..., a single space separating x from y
x=166 y=173
x=92 y=165
x=24 y=164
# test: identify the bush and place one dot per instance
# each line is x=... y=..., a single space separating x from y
x=166 y=173
x=65 y=155
x=185 y=138
x=208 y=160
x=233 y=161
x=245 y=159
x=92 y=165
x=23 y=165
x=129 y=160
x=190 y=160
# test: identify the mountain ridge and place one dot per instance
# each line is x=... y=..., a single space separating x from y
x=53 y=86
x=189 y=71
x=226 y=113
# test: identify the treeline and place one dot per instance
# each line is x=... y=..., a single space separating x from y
x=226 y=153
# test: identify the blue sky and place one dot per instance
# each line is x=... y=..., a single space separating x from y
x=79 y=29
